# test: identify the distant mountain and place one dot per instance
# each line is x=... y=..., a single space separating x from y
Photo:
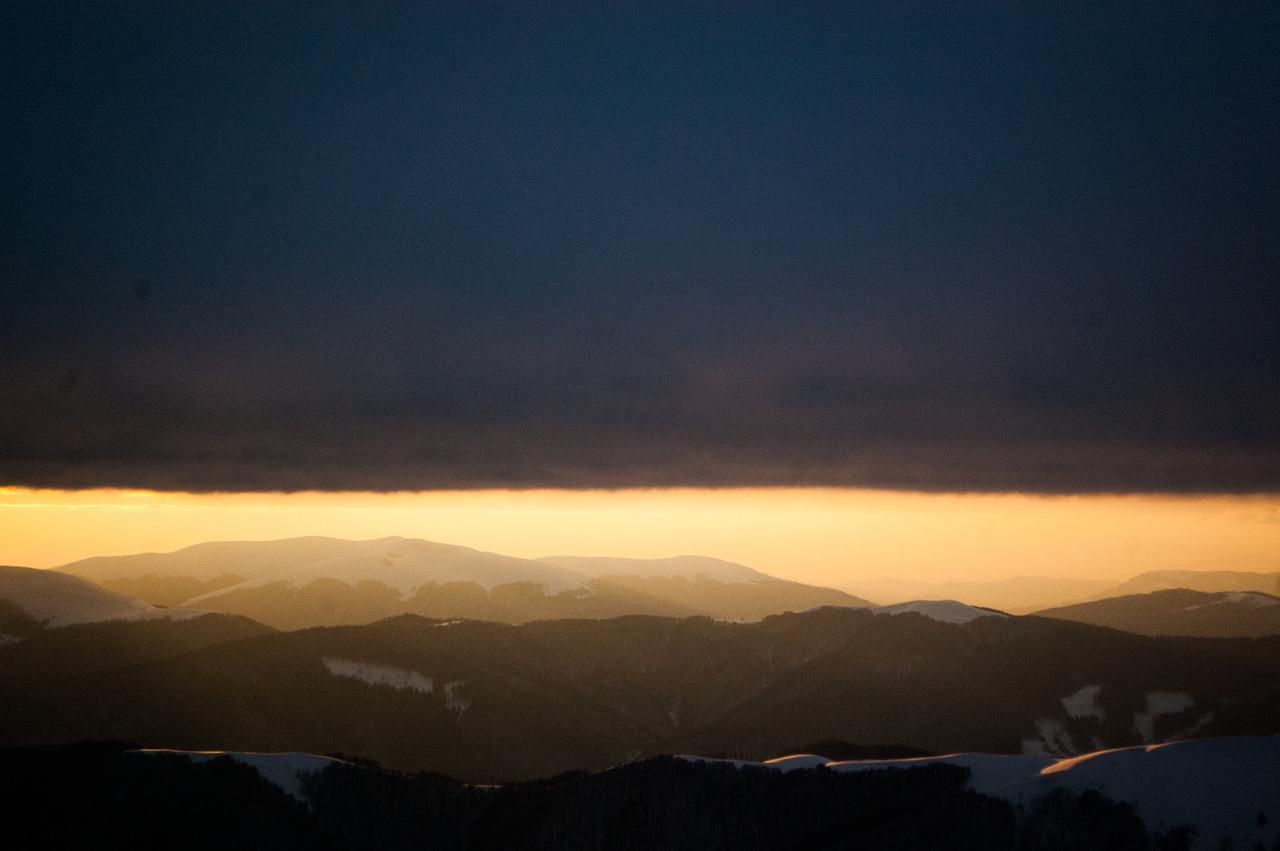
x=404 y=564
x=492 y=702
x=682 y=567
x=1181 y=612
x=51 y=598
x=946 y=611
x=307 y=582
x=1017 y=595
x=1195 y=580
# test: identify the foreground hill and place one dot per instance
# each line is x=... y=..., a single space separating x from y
x=1222 y=789
x=92 y=648
x=32 y=598
x=47 y=658
x=494 y=702
x=307 y=582
x=110 y=796
x=1181 y=611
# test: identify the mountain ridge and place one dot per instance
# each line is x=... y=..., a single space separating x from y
x=1180 y=611
x=492 y=702
x=318 y=581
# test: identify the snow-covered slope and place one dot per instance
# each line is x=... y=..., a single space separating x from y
x=1225 y=788
x=1218 y=785
x=56 y=599
x=688 y=567
x=947 y=611
x=285 y=770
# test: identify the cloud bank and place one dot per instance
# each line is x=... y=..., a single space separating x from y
x=457 y=248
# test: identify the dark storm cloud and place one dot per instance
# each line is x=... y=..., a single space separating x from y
x=461 y=246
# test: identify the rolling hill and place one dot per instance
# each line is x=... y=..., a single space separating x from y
x=496 y=702
x=307 y=582
x=33 y=597
x=1019 y=595
x=1181 y=611
x=1212 y=581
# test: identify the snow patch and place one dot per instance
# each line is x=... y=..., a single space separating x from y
x=1252 y=599
x=1160 y=703
x=284 y=770
x=1247 y=599
x=1084 y=703
x=947 y=611
x=454 y=700
x=1053 y=741
x=399 y=679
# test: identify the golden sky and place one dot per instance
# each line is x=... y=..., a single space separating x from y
x=828 y=536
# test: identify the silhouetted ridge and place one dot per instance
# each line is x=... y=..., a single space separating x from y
x=493 y=702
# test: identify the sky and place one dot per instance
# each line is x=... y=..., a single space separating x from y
x=826 y=536
x=985 y=248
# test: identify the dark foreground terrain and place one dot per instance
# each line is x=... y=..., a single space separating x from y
x=104 y=796
x=494 y=703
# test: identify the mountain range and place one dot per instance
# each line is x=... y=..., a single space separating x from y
x=1027 y=594
x=273 y=676
x=304 y=582
x=1017 y=594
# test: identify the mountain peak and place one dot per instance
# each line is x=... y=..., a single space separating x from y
x=947 y=611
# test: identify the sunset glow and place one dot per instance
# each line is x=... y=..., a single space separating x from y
x=825 y=536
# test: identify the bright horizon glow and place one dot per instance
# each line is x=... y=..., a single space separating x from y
x=824 y=536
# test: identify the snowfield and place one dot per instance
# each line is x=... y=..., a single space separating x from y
x=1054 y=740
x=400 y=679
x=1084 y=703
x=1227 y=789
x=454 y=700
x=1252 y=599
